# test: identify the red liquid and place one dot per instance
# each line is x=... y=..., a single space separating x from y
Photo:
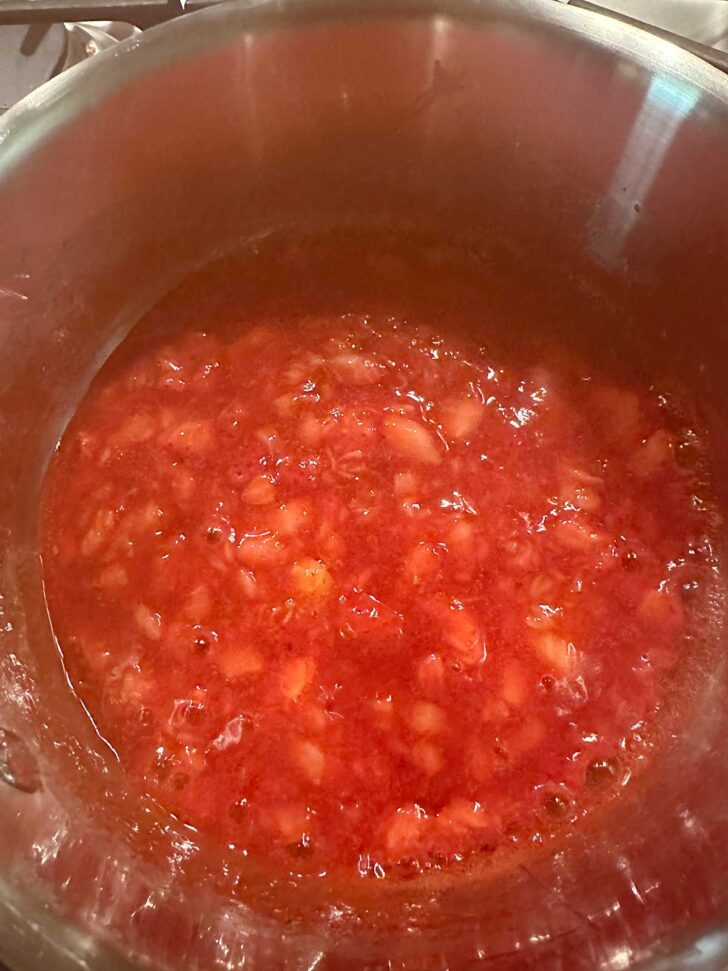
x=350 y=592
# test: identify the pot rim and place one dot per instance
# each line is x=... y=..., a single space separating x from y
x=64 y=99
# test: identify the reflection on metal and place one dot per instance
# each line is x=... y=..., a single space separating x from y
x=669 y=101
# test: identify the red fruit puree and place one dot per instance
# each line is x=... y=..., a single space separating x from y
x=353 y=592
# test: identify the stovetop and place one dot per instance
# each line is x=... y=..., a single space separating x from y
x=41 y=38
x=704 y=21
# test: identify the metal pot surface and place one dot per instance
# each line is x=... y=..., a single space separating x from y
x=592 y=152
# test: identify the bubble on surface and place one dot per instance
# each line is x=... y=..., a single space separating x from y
x=18 y=765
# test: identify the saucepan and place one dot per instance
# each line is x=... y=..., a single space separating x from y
x=591 y=152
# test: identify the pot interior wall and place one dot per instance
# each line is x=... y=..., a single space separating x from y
x=492 y=129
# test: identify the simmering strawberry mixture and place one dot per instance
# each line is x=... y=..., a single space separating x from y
x=353 y=593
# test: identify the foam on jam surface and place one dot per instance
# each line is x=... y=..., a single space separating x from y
x=353 y=593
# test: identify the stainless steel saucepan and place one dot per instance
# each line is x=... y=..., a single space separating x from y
x=595 y=154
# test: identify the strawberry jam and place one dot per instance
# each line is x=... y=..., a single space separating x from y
x=357 y=592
